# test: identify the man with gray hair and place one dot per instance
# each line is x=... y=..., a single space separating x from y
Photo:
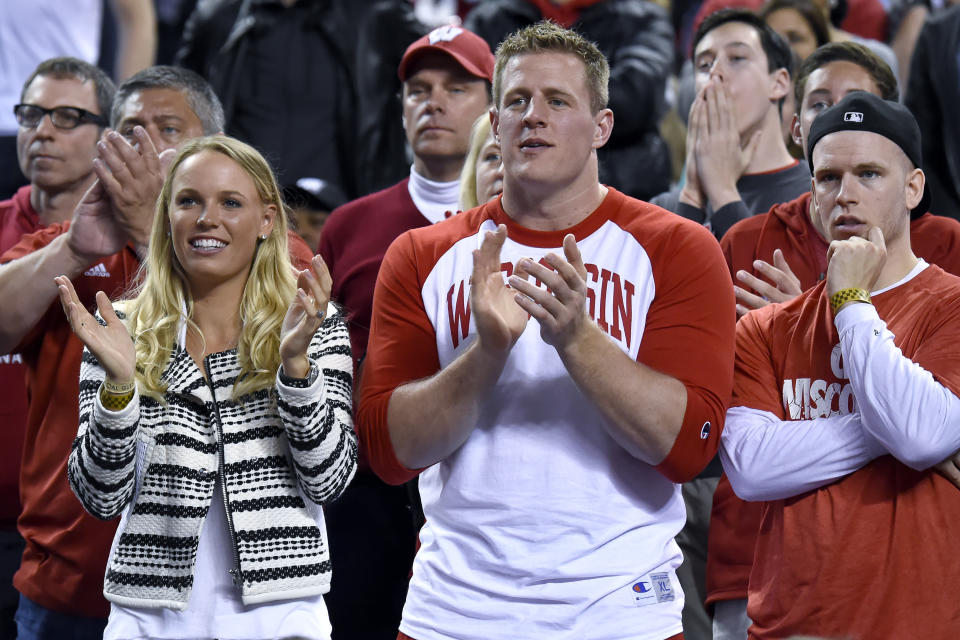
x=173 y=105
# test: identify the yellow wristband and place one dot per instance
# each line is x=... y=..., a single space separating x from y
x=118 y=388
x=844 y=296
x=114 y=402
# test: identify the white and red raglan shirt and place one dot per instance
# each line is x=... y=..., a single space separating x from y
x=540 y=524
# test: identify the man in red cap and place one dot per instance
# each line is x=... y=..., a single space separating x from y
x=446 y=78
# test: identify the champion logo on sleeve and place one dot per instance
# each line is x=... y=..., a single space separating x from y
x=99 y=270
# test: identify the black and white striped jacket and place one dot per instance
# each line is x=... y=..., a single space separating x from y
x=278 y=453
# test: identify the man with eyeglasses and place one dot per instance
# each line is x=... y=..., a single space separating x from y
x=62 y=111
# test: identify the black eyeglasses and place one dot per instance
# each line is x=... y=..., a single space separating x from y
x=30 y=115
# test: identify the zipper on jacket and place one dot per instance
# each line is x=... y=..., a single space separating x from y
x=235 y=573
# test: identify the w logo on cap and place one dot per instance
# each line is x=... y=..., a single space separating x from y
x=444 y=34
x=853 y=116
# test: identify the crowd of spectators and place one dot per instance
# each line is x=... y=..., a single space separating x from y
x=378 y=118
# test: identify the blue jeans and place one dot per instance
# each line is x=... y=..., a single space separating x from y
x=36 y=622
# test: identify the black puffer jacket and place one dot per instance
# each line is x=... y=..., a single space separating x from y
x=637 y=39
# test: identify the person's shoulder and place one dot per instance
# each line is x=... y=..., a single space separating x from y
x=939 y=284
x=372 y=202
x=780 y=216
x=369 y=208
x=422 y=248
x=652 y=225
x=748 y=228
x=934 y=225
x=447 y=232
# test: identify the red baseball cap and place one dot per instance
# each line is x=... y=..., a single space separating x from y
x=469 y=50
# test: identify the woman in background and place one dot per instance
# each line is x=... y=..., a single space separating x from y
x=482 y=175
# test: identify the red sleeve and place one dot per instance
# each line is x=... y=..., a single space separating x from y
x=739 y=244
x=936 y=239
x=689 y=335
x=755 y=382
x=726 y=246
x=402 y=347
x=33 y=241
x=299 y=250
x=28 y=244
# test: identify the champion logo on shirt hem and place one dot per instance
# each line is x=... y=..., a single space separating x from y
x=652 y=589
x=99 y=270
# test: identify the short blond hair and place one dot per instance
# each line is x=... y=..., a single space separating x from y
x=549 y=37
x=468 y=175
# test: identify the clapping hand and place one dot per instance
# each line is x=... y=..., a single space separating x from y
x=132 y=176
x=110 y=344
x=498 y=317
x=561 y=309
x=304 y=316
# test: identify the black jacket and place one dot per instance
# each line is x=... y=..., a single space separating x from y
x=385 y=33
x=637 y=39
x=215 y=43
x=933 y=95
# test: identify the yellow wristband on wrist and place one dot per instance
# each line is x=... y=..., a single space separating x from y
x=853 y=294
x=118 y=388
x=113 y=401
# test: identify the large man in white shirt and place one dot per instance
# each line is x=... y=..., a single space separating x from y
x=550 y=418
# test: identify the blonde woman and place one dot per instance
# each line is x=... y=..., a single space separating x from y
x=221 y=426
x=482 y=175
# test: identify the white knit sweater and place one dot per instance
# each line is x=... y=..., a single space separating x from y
x=275 y=449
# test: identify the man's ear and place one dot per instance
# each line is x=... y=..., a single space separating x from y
x=914 y=188
x=495 y=123
x=779 y=84
x=604 y=127
x=796 y=132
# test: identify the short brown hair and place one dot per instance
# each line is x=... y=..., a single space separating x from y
x=848 y=52
x=548 y=37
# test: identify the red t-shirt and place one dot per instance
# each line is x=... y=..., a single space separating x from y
x=787 y=226
x=17 y=218
x=872 y=554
